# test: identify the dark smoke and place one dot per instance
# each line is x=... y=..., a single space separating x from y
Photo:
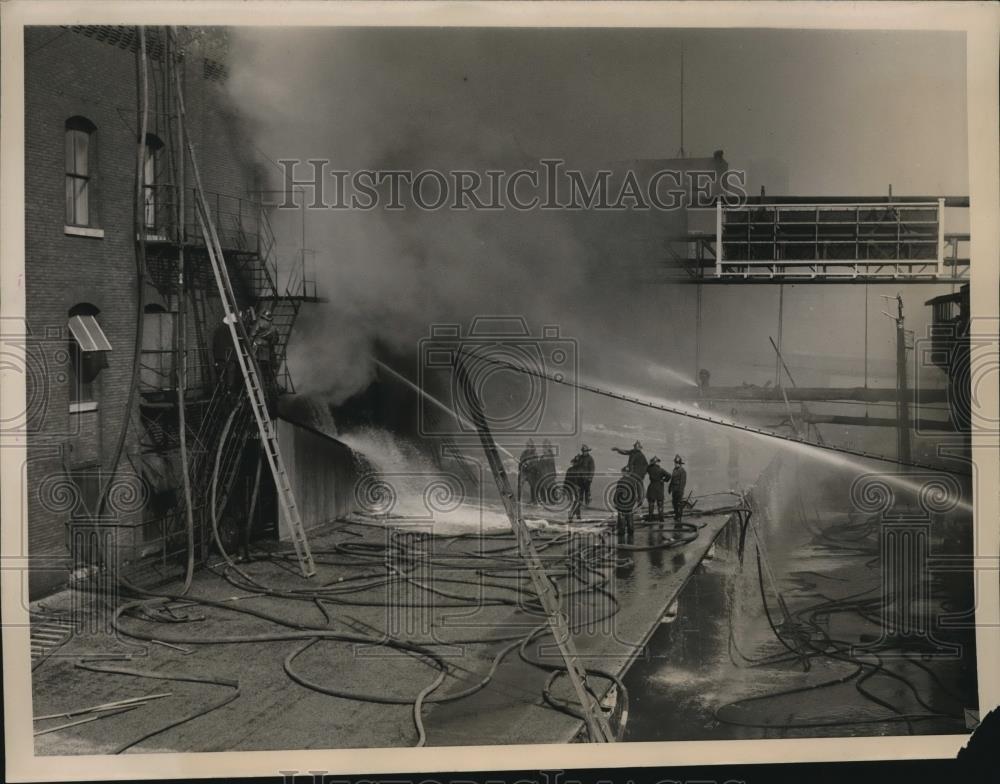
x=362 y=100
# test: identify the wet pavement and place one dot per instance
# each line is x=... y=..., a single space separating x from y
x=707 y=675
x=269 y=688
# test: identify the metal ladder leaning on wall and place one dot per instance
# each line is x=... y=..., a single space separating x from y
x=598 y=727
x=247 y=363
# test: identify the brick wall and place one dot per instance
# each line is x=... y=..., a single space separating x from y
x=68 y=74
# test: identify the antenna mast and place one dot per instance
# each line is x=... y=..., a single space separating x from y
x=681 y=153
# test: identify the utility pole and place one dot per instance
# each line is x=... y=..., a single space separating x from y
x=902 y=384
x=866 y=335
x=781 y=318
x=697 y=328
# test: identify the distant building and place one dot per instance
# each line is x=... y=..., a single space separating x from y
x=950 y=351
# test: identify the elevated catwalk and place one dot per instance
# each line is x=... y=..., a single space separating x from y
x=918 y=239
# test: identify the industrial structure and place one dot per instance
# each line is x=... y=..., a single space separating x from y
x=850 y=240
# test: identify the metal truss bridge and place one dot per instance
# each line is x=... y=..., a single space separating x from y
x=832 y=240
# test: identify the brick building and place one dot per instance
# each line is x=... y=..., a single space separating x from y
x=83 y=91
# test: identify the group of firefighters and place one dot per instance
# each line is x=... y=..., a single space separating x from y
x=537 y=474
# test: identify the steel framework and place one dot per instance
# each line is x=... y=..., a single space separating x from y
x=830 y=240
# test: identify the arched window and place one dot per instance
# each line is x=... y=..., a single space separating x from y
x=150 y=180
x=79 y=170
x=88 y=352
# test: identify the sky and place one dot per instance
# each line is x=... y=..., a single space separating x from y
x=804 y=112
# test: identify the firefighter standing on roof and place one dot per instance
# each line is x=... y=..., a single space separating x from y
x=637 y=465
x=678 y=483
x=627 y=495
x=586 y=461
x=577 y=482
x=654 y=493
x=547 y=474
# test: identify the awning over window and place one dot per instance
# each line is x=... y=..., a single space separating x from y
x=88 y=334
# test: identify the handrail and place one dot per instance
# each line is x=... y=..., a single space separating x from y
x=794 y=238
x=838 y=205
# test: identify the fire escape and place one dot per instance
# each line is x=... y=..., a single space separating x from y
x=188 y=345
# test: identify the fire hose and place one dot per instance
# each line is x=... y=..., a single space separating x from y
x=559 y=379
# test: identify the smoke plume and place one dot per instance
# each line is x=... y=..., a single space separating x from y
x=362 y=100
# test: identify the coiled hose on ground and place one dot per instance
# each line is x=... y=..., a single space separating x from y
x=496 y=570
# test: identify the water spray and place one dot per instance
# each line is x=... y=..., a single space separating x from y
x=663 y=371
x=458 y=417
x=722 y=421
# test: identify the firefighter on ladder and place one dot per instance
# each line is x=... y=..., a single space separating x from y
x=265 y=338
x=224 y=354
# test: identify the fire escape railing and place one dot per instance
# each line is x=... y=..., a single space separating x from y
x=251 y=249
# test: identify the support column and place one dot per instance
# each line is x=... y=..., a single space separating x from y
x=718 y=237
x=781 y=318
x=902 y=386
x=940 y=252
x=697 y=331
